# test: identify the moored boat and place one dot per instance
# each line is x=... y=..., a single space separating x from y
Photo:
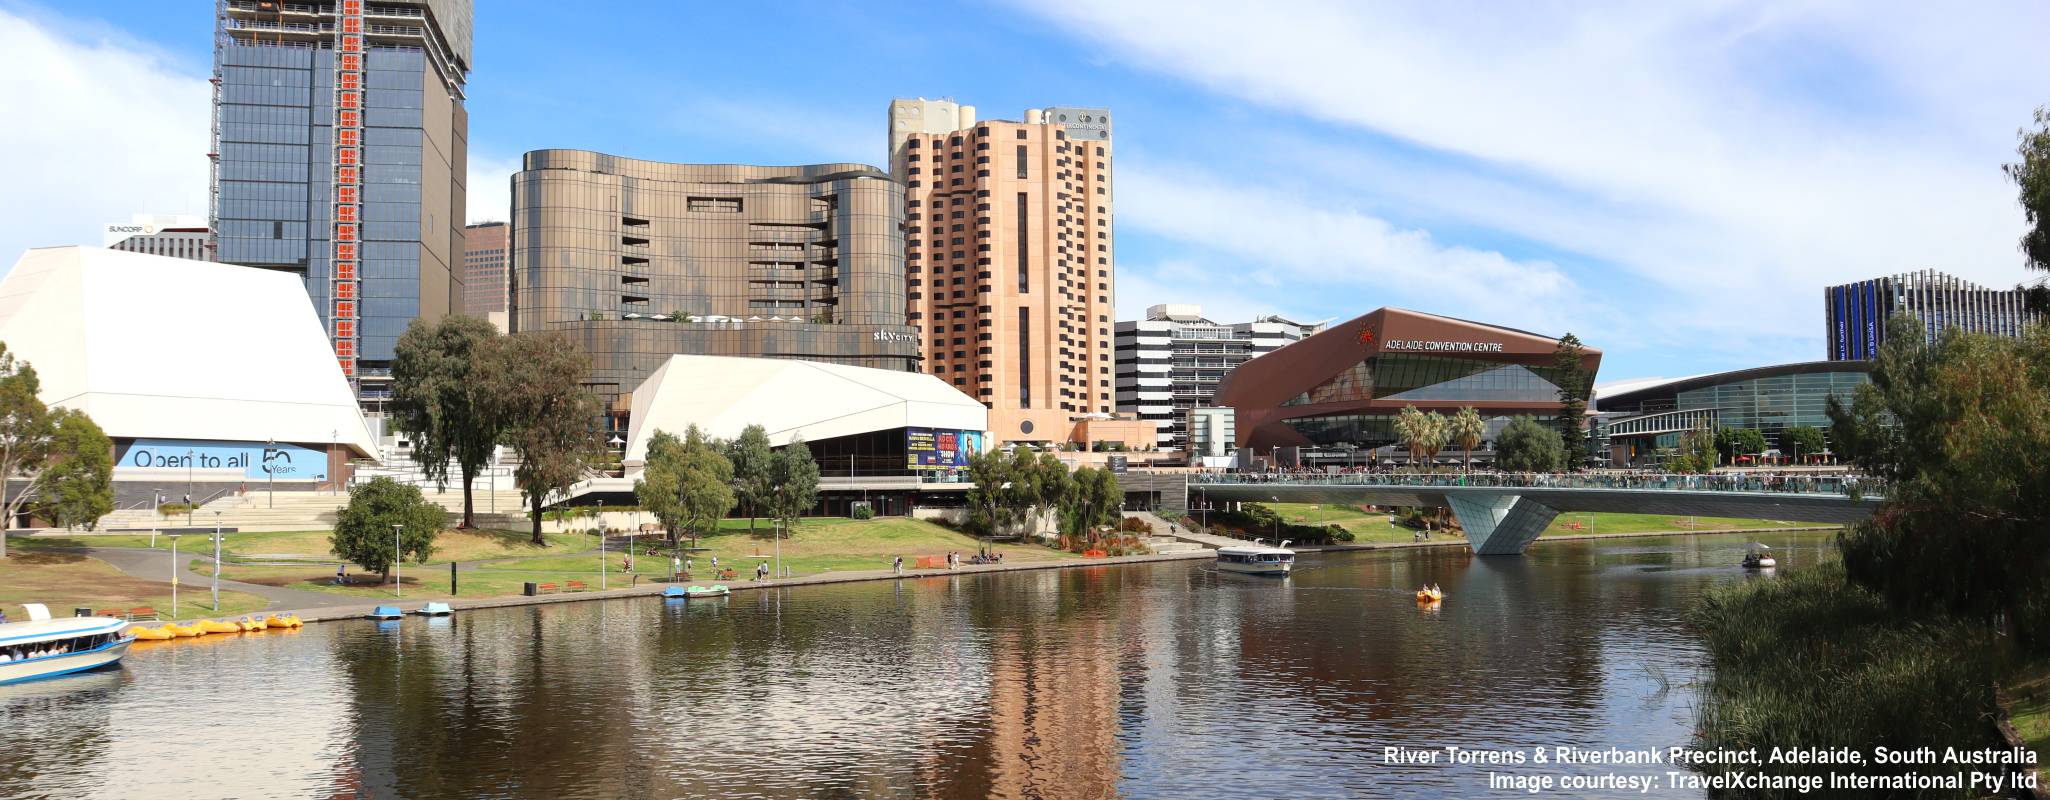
x=435 y=610
x=218 y=626
x=707 y=592
x=1256 y=559
x=43 y=647
x=675 y=592
x=386 y=612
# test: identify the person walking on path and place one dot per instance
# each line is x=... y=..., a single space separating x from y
x=762 y=571
x=675 y=567
x=899 y=566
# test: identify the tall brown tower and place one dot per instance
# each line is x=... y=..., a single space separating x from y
x=1011 y=269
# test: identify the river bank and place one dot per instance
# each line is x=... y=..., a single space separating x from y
x=359 y=611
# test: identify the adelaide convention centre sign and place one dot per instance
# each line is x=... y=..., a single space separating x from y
x=1438 y=346
x=256 y=460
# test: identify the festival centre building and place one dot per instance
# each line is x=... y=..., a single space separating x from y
x=892 y=439
x=209 y=378
x=1332 y=397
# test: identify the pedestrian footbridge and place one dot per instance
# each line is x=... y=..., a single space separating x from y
x=1504 y=513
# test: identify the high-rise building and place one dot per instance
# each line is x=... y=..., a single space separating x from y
x=486 y=251
x=1008 y=240
x=1171 y=361
x=1856 y=313
x=339 y=156
x=642 y=260
x=174 y=235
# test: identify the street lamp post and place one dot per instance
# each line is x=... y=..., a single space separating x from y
x=779 y=530
x=159 y=495
x=191 y=457
x=174 y=574
x=397 y=555
x=601 y=551
x=217 y=562
x=270 y=474
x=1277 y=519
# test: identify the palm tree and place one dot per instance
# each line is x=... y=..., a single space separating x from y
x=1467 y=430
x=1413 y=427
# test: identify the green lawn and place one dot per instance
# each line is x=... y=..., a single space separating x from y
x=451 y=545
x=1593 y=522
x=1367 y=527
x=2028 y=692
x=64 y=581
x=816 y=545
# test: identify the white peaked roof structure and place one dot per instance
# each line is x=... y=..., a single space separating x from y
x=722 y=395
x=159 y=347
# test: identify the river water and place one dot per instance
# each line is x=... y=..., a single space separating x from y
x=1156 y=680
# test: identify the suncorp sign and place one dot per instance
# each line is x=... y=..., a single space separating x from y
x=1438 y=346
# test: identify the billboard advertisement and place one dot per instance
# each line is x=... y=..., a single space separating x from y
x=257 y=460
x=939 y=449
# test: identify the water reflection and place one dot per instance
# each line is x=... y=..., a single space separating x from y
x=1162 y=680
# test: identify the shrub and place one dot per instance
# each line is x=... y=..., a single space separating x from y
x=1136 y=525
x=862 y=511
x=174 y=509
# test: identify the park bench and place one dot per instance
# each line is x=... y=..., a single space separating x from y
x=579 y=586
x=729 y=574
x=546 y=588
x=144 y=613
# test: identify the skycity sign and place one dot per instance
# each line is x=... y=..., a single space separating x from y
x=1445 y=347
x=256 y=460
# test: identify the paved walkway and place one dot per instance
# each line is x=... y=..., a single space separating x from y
x=1162 y=527
x=155 y=565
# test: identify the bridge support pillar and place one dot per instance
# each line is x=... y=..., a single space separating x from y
x=1500 y=524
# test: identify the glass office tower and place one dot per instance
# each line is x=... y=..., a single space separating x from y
x=1856 y=314
x=339 y=155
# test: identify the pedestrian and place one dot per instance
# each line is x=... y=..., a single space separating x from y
x=762 y=571
x=341 y=573
x=899 y=566
x=627 y=560
x=675 y=567
x=715 y=562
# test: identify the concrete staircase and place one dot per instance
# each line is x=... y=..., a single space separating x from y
x=1162 y=541
x=293 y=511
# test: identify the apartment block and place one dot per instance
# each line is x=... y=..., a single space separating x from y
x=486 y=281
x=1010 y=261
x=1171 y=361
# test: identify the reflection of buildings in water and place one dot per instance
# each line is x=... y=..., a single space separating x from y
x=1054 y=690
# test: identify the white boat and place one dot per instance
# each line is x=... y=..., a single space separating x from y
x=1759 y=557
x=43 y=647
x=1256 y=559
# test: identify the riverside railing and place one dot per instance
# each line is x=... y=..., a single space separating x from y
x=1856 y=486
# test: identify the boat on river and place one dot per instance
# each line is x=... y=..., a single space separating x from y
x=435 y=610
x=44 y=648
x=707 y=592
x=1256 y=559
x=386 y=613
x=1759 y=556
x=1430 y=594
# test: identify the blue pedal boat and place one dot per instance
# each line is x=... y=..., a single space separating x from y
x=386 y=612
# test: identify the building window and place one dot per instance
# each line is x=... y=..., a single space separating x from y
x=722 y=205
x=1024 y=357
x=1021 y=134
x=1024 y=244
x=1021 y=161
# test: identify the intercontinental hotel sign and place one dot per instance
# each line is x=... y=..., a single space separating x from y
x=1443 y=347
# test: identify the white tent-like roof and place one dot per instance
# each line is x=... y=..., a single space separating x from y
x=722 y=395
x=158 y=347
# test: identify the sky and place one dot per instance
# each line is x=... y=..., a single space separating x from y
x=1674 y=182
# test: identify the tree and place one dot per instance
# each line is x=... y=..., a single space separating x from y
x=704 y=482
x=1048 y=485
x=1959 y=431
x=78 y=487
x=2031 y=174
x=1575 y=385
x=537 y=391
x=1697 y=450
x=440 y=380
x=1467 y=428
x=1734 y=442
x=795 y=477
x=1802 y=440
x=27 y=432
x=993 y=503
x=1526 y=446
x=660 y=488
x=753 y=472
x=363 y=530
x=1094 y=500
x=1424 y=434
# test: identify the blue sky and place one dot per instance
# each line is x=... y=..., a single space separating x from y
x=1672 y=182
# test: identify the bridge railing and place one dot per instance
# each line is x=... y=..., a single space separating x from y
x=1833 y=485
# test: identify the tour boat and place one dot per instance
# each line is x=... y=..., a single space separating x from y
x=43 y=647
x=1256 y=559
x=435 y=610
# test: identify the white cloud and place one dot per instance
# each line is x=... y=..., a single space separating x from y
x=487 y=190
x=98 y=128
x=1726 y=159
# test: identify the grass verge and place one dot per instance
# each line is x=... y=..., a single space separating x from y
x=451 y=545
x=64 y=581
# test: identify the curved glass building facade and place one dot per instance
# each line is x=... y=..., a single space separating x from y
x=1769 y=399
x=641 y=260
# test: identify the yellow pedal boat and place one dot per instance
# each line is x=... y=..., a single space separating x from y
x=1430 y=595
x=291 y=621
x=217 y=626
x=154 y=634
x=183 y=631
x=250 y=624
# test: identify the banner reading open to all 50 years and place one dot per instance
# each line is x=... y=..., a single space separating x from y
x=256 y=460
